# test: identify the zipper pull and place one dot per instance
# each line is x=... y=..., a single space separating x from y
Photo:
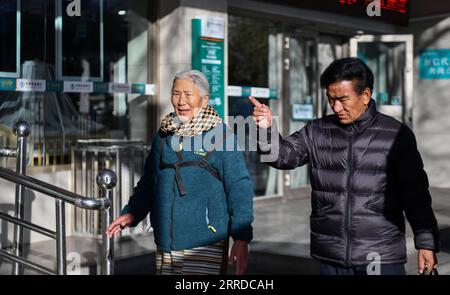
x=207 y=222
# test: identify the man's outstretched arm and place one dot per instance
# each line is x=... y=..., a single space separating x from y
x=276 y=151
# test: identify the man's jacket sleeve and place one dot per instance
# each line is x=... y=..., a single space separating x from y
x=285 y=153
x=140 y=202
x=414 y=188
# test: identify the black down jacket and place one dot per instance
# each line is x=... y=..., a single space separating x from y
x=364 y=177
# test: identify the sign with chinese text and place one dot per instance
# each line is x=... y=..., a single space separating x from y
x=208 y=57
x=434 y=64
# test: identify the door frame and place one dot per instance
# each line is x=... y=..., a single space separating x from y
x=405 y=111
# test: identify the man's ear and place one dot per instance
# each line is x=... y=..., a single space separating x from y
x=366 y=96
x=205 y=101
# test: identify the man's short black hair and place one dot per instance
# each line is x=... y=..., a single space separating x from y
x=348 y=69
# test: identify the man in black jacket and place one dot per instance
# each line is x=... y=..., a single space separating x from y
x=366 y=172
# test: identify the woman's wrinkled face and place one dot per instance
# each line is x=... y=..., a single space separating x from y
x=186 y=99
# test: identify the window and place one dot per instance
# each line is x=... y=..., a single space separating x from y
x=10 y=31
x=107 y=43
x=252 y=62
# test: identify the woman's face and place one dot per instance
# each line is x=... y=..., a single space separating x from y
x=186 y=99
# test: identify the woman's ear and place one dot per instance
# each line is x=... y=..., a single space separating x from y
x=205 y=101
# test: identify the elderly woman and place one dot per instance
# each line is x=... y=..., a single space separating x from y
x=197 y=197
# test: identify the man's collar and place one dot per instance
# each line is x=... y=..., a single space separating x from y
x=364 y=120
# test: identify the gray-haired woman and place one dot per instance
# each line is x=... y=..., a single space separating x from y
x=197 y=197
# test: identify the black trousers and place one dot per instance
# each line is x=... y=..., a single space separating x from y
x=385 y=269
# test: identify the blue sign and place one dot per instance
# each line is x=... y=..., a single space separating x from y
x=302 y=112
x=434 y=64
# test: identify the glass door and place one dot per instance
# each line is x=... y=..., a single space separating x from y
x=300 y=92
x=391 y=59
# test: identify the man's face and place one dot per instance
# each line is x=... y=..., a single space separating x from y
x=346 y=103
x=186 y=99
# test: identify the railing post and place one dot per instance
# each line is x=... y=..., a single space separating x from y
x=61 y=258
x=107 y=180
x=21 y=130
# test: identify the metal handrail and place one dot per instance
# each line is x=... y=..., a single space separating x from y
x=54 y=191
x=106 y=180
x=29 y=225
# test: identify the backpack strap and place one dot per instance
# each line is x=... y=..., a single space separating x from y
x=203 y=163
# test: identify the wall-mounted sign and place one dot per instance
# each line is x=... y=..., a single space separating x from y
x=138 y=88
x=120 y=87
x=302 y=112
x=150 y=89
x=434 y=64
x=7 y=84
x=27 y=85
x=208 y=56
x=234 y=91
x=212 y=27
x=78 y=87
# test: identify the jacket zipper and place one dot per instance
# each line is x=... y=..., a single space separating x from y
x=349 y=202
x=175 y=189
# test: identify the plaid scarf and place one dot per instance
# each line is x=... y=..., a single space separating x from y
x=205 y=120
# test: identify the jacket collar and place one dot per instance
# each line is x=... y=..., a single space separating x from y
x=364 y=120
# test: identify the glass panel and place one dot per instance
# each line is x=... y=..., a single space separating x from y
x=387 y=61
x=81 y=40
x=58 y=119
x=8 y=23
x=302 y=92
x=255 y=66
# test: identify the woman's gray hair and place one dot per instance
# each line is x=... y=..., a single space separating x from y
x=197 y=77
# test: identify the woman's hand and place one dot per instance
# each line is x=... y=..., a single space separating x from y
x=239 y=253
x=119 y=224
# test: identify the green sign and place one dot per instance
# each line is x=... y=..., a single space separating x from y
x=54 y=86
x=101 y=87
x=7 y=84
x=208 y=57
x=138 y=88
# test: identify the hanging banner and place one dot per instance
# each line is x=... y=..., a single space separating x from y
x=208 y=56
